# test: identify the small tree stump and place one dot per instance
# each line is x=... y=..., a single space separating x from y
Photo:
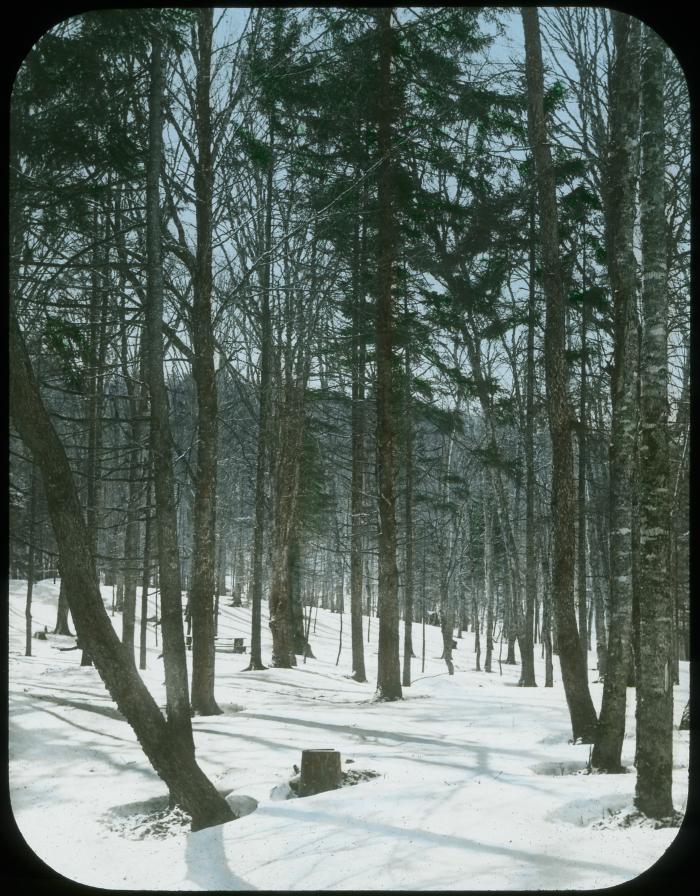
x=320 y=771
x=238 y=645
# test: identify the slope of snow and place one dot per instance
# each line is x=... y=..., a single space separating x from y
x=477 y=786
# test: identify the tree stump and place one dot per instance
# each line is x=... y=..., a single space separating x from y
x=320 y=771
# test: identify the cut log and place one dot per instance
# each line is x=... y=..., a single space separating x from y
x=320 y=771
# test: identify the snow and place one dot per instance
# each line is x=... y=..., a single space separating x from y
x=477 y=784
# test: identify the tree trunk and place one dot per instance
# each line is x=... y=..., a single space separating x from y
x=488 y=582
x=408 y=560
x=581 y=578
x=256 y=582
x=581 y=710
x=357 y=484
x=174 y=659
x=170 y=755
x=203 y=582
x=131 y=542
x=62 y=627
x=286 y=494
x=527 y=647
x=143 y=625
x=622 y=267
x=653 y=794
x=389 y=669
x=34 y=488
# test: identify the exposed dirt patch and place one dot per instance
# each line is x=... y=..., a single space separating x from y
x=633 y=818
x=353 y=776
x=151 y=819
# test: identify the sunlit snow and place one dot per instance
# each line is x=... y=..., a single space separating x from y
x=477 y=786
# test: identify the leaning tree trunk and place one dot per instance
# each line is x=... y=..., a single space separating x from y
x=622 y=268
x=204 y=570
x=174 y=658
x=389 y=668
x=653 y=794
x=171 y=756
x=581 y=710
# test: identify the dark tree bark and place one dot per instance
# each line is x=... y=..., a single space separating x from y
x=528 y=650
x=34 y=488
x=357 y=484
x=171 y=756
x=619 y=209
x=653 y=794
x=203 y=582
x=408 y=513
x=488 y=582
x=581 y=579
x=174 y=659
x=581 y=710
x=389 y=669
x=143 y=625
x=62 y=627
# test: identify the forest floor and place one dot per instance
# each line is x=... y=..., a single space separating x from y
x=476 y=787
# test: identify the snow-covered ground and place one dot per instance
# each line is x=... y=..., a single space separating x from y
x=477 y=786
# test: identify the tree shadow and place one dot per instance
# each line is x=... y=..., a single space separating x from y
x=207 y=863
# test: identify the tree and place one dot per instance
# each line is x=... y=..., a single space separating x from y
x=653 y=794
x=620 y=212
x=389 y=672
x=581 y=710
x=204 y=373
x=174 y=659
x=171 y=755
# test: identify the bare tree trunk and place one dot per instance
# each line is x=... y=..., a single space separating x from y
x=622 y=268
x=203 y=582
x=143 y=625
x=653 y=794
x=546 y=621
x=34 y=488
x=446 y=628
x=581 y=710
x=488 y=581
x=286 y=493
x=408 y=561
x=174 y=659
x=171 y=755
x=256 y=582
x=527 y=648
x=389 y=669
x=62 y=627
x=581 y=585
x=131 y=541
x=357 y=485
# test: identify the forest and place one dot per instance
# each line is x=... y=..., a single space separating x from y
x=349 y=361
